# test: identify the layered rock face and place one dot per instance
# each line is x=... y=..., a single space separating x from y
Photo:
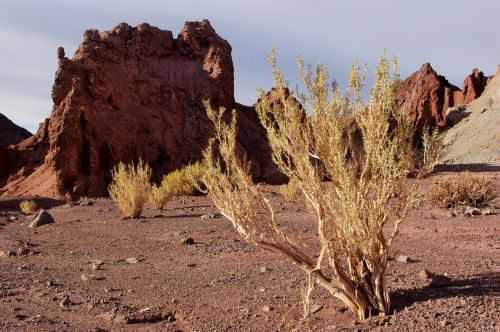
x=130 y=93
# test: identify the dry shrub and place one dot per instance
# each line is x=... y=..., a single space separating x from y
x=183 y=182
x=431 y=149
x=462 y=190
x=158 y=197
x=130 y=187
x=291 y=191
x=364 y=195
x=28 y=206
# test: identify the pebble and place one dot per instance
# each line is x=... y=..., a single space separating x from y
x=471 y=211
x=315 y=308
x=188 y=241
x=132 y=260
x=403 y=259
x=267 y=308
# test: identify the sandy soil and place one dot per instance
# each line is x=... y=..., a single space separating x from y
x=92 y=271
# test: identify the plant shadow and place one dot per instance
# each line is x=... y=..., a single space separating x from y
x=474 y=286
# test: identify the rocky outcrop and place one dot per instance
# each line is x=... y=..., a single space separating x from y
x=474 y=85
x=429 y=97
x=130 y=93
x=10 y=133
x=477 y=140
x=426 y=96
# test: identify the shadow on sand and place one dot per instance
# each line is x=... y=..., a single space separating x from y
x=12 y=204
x=473 y=286
x=476 y=168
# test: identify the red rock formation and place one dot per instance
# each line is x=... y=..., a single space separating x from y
x=427 y=96
x=129 y=93
x=10 y=133
x=474 y=85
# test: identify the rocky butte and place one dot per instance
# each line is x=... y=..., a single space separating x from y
x=130 y=93
x=427 y=96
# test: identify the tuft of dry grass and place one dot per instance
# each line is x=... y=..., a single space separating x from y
x=130 y=187
x=291 y=191
x=353 y=209
x=183 y=182
x=462 y=190
x=28 y=206
x=158 y=197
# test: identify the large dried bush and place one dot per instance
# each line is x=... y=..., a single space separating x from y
x=368 y=189
x=130 y=187
x=462 y=190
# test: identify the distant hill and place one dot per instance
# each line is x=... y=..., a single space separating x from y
x=476 y=138
x=10 y=133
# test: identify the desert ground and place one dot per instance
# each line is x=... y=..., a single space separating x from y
x=185 y=268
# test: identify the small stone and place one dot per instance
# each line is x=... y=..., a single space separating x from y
x=444 y=323
x=22 y=251
x=489 y=212
x=188 y=241
x=7 y=253
x=263 y=269
x=210 y=216
x=471 y=211
x=267 y=308
x=96 y=265
x=424 y=274
x=42 y=217
x=132 y=260
x=403 y=259
x=65 y=302
x=315 y=308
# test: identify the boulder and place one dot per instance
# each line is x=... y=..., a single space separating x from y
x=130 y=93
x=42 y=217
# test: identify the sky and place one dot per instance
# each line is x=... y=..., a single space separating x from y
x=453 y=35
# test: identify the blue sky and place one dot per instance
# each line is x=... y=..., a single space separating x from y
x=453 y=35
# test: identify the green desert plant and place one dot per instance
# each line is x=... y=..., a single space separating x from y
x=462 y=190
x=28 y=206
x=130 y=187
x=364 y=195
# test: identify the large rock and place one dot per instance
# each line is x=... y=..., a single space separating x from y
x=130 y=93
x=10 y=133
x=42 y=217
x=426 y=96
